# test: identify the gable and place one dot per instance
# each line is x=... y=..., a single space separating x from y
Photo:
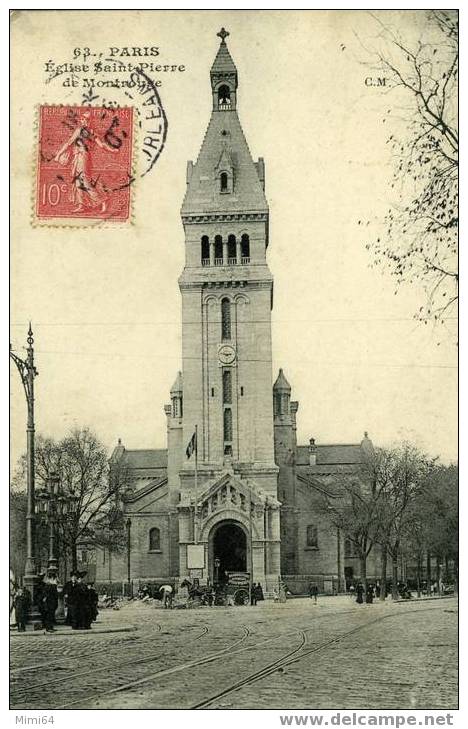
x=153 y=496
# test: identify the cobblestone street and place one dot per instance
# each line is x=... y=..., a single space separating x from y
x=334 y=655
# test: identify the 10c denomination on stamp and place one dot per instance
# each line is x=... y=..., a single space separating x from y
x=84 y=165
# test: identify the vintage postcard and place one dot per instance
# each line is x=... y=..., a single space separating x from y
x=234 y=324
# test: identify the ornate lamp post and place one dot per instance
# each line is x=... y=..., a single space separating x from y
x=28 y=372
x=128 y=525
x=53 y=506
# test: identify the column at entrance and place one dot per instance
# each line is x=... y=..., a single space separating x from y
x=273 y=548
x=258 y=562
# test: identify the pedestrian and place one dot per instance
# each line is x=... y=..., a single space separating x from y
x=359 y=593
x=253 y=595
x=377 y=589
x=69 y=596
x=259 y=591
x=82 y=620
x=370 y=594
x=93 y=600
x=210 y=596
x=71 y=599
x=50 y=601
x=313 y=592
x=22 y=603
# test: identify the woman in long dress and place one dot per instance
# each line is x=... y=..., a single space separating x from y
x=87 y=192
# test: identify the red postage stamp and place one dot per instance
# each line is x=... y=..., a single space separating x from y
x=84 y=164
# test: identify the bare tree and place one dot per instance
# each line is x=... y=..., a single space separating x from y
x=437 y=508
x=353 y=508
x=400 y=473
x=420 y=244
x=86 y=478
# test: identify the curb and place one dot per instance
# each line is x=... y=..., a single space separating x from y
x=74 y=633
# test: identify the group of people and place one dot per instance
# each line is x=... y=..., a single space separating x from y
x=256 y=594
x=364 y=594
x=80 y=602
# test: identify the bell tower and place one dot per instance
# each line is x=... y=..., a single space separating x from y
x=227 y=294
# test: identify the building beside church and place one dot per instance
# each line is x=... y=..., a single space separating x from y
x=243 y=495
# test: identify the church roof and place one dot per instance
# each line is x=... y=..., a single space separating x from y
x=147 y=458
x=332 y=455
x=177 y=387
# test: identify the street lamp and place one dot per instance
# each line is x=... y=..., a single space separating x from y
x=217 y=563
x=28 y=372
x=52 y=507
x=128 y=525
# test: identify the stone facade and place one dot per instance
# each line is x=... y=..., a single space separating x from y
x=248 y=480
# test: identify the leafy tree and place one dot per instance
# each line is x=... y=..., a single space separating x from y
x=420 y=244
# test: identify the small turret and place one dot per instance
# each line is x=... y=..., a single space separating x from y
x=366 y=444
x=118 y=451
x=281 y=396
x=312 y=452
x=177 y=396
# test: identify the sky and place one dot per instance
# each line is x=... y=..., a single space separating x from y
x=105 y=304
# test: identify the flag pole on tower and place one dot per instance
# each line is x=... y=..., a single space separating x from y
x=193 y=448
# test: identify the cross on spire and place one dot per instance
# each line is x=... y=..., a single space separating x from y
x=223 y=33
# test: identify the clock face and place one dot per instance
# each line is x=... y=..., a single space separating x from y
x=226 y=354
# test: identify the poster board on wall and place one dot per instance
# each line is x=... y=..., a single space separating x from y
x=195 y=556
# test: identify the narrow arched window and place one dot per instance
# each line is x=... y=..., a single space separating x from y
x=224 y=181
x=245 y=248
x=224 y=97
x=218 y=242
x=227 y=425
x=225 y=319
x=232 y=253
x=312 y=537
x=205 y=249
x=154 y=539
x=227 y=387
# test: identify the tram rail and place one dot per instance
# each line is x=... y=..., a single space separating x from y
x=298 y=653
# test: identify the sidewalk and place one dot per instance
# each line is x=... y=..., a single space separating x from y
x=108 y=622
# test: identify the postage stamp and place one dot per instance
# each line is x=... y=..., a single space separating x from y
x=84 y=165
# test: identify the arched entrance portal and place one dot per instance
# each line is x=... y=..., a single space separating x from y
x=229 y=546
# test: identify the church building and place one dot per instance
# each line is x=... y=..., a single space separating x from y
x=233 y=491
